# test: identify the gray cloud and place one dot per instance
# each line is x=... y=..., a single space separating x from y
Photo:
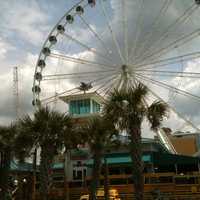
x=25 y=26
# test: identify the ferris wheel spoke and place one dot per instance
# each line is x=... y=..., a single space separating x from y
x=94 y=81
x=98 y=83
x=112 y=86
x=77 y=74
x=125 y=29
x=74 y=76
x=80 y=60
x=168 y=87
x=165 y=34
x=95 y=34
x=171 y=108
x=150 y=33
x=90 y=49
x=169 y=73
x=168 y=61
x=138 y=28
x=59 y=94
x=55 y=98
x=106 y=84
x=102 y=78
x=112 y=32
x=175 y=44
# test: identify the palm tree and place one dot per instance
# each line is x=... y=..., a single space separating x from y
x=6 y=141
x=127 y=109
x=97 y=133
x=23 y=149
x=47 y=131
x=72 y=140
x=9 y=149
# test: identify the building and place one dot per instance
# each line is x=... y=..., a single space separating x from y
x=185 y=143
x=164 y=172
x=168 y=175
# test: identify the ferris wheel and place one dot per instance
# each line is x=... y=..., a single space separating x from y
x=99 y=45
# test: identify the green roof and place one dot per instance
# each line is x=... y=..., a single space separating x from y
x=27 y=167
x=169 y=159
x=58 y=165
x=120 y=160
x=158 y=158
x=79 y=152
x=20 y=166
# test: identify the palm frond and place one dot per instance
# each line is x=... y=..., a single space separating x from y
x=156 y=113
x=137 y=94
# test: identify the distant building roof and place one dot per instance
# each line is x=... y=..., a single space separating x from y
x=58 y=165
x=25 y=167
x=187 y=133
x=156 y=158
x=119 y=159
x=28 y=167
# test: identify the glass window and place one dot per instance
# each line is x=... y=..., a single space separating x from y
x=77 y=174
x=186 y=180
x=161 y=179
x=114 y=171
x=79 y=107
x=165 y=179
x=127 y=170
x=95 y=107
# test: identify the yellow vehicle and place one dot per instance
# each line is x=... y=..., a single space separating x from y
x=113 y=194
x=85 y=197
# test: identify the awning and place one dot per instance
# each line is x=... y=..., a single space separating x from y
x=120 y=160
x=58 y=166
x=170 y=159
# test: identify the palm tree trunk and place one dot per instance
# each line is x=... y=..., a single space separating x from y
x=96 y=171
x=66 y=175
x=34 y=174
x=45 y=167
x=137 y=166
x=2 y=177
x=106 y=179
x=5 y=168
x=20 y=190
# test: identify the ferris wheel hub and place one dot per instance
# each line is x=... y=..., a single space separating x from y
x=126 y=69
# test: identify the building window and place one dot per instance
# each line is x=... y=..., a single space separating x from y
x=95 y=107
x=79 y=107
x=77 y=174
x=84 y=173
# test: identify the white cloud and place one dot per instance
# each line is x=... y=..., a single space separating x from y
x=5 y=47
x=25 y=22
x=30 y=24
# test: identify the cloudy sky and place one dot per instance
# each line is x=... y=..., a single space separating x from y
x=23 y=28
x=25 y=25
